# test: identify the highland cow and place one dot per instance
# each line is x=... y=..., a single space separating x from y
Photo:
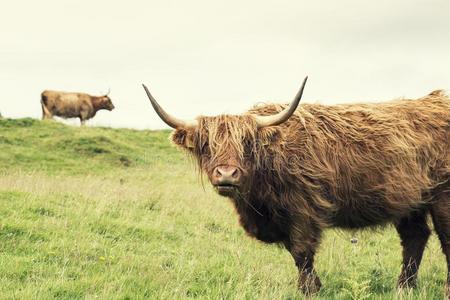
x=291 y=173
x=73 y=105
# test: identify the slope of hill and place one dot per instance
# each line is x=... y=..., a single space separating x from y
x=121 y=214
x=57 y=148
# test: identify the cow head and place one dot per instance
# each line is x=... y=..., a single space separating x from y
x=228 y=148
x=106 y=102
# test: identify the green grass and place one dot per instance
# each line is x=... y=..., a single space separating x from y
x=121 y=214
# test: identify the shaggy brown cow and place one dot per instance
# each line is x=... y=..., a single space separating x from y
x=73 y=105
x=292 y=173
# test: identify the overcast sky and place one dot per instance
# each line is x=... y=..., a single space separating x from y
x=211 y=57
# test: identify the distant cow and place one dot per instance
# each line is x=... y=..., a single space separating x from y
x=291 y=173
x=73 y=105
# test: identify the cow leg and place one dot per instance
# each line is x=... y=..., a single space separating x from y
x=83 y=118
x=303 y=250
x=440 y=213
x=414 y=233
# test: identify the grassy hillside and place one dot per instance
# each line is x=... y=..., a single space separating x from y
x=52 y=147
x=121 y=214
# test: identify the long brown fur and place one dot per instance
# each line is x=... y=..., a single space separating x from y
x=347 y=166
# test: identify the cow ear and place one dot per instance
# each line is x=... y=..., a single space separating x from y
x=269 y=135
x=183 y=138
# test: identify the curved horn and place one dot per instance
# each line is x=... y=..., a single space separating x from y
x=168 y=119
x=282 y=116
x=109 y=90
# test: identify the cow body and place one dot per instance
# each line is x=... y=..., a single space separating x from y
x=355 y=166
x=73 y=105
x=342 y=166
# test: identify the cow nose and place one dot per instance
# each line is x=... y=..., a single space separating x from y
x=224 y=175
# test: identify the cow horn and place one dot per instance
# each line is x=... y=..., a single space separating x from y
x=168 y=119
x=109 y=90
x=282 y=116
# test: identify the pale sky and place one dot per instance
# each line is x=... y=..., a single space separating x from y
x=212 y=57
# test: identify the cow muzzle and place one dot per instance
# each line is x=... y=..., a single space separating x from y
x=226 y=179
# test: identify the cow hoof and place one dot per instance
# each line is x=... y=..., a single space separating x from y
x=410 y=283
x=309 y=285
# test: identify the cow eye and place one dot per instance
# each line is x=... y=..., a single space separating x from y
x=248 y=147
x=205 y=147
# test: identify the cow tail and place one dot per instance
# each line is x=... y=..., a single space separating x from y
x=45 y=111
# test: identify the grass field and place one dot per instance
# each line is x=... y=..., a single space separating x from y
x=98 y=213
